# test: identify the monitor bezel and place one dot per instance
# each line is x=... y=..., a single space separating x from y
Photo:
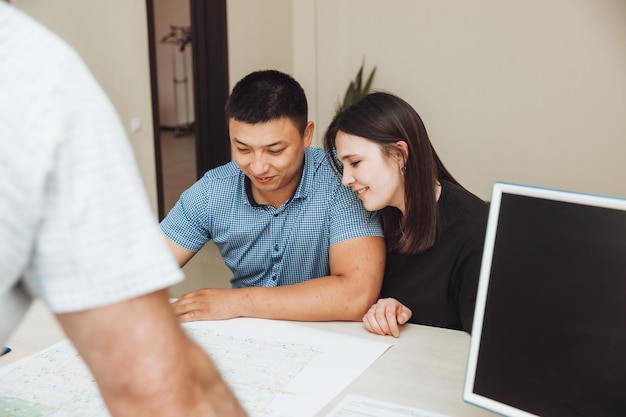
x=499 y=189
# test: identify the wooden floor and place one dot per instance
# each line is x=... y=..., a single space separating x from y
x=206 y=268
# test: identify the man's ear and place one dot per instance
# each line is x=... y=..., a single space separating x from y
x=308 y=134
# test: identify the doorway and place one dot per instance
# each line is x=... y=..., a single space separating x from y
x=189 y=82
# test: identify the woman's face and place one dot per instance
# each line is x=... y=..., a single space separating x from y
x=375 y=177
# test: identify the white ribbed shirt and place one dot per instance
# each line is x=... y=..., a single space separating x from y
x=76 y=228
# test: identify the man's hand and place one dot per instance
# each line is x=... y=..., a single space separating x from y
x=386 y=316
x=207 y=304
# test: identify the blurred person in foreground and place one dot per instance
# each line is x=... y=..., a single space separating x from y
x=76 y=230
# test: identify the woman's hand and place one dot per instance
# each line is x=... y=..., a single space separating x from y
x=386 y=316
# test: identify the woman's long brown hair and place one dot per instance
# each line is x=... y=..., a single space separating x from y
x=385 y=119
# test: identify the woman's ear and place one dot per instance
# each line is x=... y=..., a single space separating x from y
x=403 y=152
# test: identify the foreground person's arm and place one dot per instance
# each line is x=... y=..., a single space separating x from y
x=144 y=363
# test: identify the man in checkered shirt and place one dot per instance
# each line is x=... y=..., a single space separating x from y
x=299 y=244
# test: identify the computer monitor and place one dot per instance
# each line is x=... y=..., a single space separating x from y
x=549 y=333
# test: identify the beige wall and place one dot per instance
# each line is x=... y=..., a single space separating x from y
x=274 y=34
x=519 y=90
x=112 y=38
x=528 y=91
x=259 y=36
x=524 y=91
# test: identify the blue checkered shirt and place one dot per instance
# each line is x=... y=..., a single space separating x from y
x=263 y=245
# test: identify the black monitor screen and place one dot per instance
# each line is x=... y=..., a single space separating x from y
x=553 y=334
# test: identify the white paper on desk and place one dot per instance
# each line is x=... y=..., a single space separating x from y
x=275 y=368
x=359 y=406
x=280 y=369
x=54 y=382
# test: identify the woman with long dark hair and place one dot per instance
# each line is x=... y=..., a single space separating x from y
x=434 y=228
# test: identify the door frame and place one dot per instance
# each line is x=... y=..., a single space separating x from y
x=210 y=80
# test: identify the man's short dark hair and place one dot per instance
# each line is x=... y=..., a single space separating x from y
x=262 y=96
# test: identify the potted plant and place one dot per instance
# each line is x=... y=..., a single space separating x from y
x=357 y=89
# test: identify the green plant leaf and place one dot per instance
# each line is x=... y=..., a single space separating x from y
x=358 y=80
x=356 y=90
x=370 y=80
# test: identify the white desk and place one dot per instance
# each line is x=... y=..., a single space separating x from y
x=424 y=369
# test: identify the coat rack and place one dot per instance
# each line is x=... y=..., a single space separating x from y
x=179 y=38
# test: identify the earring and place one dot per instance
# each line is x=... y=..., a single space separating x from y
x=403 y=170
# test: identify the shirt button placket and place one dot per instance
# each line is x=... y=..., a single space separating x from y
x=277 y=225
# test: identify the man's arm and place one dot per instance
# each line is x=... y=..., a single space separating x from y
x=144 y=363
x=356 y=266
x=181 y=254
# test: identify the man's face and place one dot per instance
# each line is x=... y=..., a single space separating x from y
x=271 y=155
